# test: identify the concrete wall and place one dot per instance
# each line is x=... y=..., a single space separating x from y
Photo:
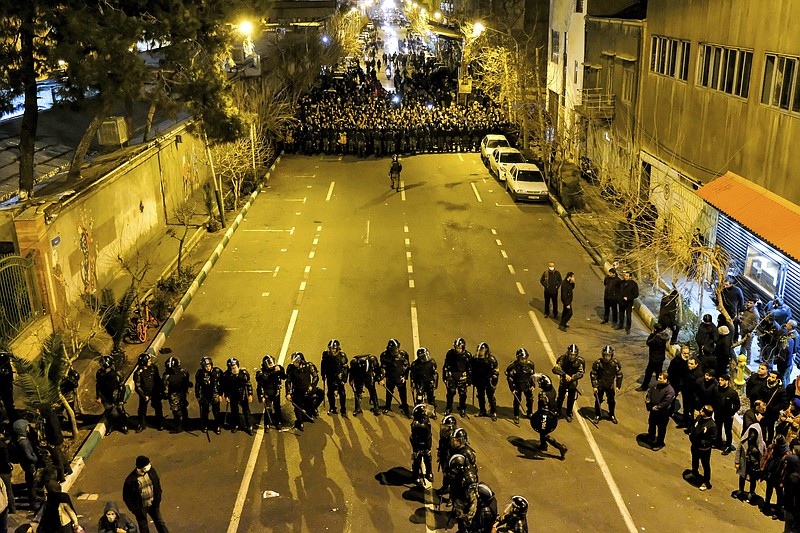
x=705 y=133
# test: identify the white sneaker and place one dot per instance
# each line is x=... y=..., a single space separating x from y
x=703 y=487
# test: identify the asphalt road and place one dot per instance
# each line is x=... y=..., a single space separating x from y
x=329 y=251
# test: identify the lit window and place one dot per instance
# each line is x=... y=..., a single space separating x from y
x=763 y=270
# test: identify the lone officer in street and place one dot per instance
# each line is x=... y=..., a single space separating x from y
x=395 y=365
x=148 y=386
x=485 y=374
x=238 y=392
x=570 y=366
x=606 y=376
x=421 y=442
x=424 y=379
x=456 y=375
x=514 y=518
x=334 y=367
x=302 y=390
x=176 y=391
x=110 y=391
x=269 y=380
x=365 y=371
x=519 y=375
x=545 y=420
x=208 y=390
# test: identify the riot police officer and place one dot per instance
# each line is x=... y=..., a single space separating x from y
x=606 y=378
x=110 y=391
x=514 y=518
x=487 y=510
x=485 y=374
x=519 y=375
x=238 y=392
x=148 y=386
x=444 y=448
x=570 y=366
x=545 y=420
x=334 y=369
x=456 y=375
x=464 y=495
x=208 y=390
x=395 y=365
x=269 y=380
x=302 y=379
x=424 y=379
x=421 y=442
x=460 y=445
x=365 y=371
x=176 y=390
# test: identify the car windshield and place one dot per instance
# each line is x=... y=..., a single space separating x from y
x=512 y=157
x=494 y=143
x=530 y=175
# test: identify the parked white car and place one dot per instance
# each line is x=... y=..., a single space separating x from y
x=489 y=143
x=501 y=158
x=526 y=182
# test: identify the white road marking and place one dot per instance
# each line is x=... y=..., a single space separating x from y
x=460 y=158
x=264 y=294
x=408 y=242
x=408 y=255
x=519 y=288
x=505 y=205
x=402 y=190
x=245 y=271
x=405 y=228
x=315 y=241
x=414 y=326
x=288 y=336
x=289 y=231
x=366 y=239
x=307 y=269
x=475 y=190
x=319 y=228
x=511 y=269
x=499 y=242
x=302 y=285
x=410 y=283
x=623 y=509
x=311 y=255
x=504 y=254
x=410 y=269
x=277 y=268
x=330 y=192
x=494 y=231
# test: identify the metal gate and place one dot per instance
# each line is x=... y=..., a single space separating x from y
x=19 y=298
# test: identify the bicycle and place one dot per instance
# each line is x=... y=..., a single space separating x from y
x=141 y=320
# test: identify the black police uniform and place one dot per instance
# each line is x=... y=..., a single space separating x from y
x=519 y=375
x=424 y=381
x=545 y=420
x=365 y=370
x=456 y=377
x=487 y=510
x=269 y=382
x=208 y=391
x=568 y=367
x=421 y=442
x=148 y=385
x=110 y=390
x=395 y=371
x=176 y=391
x=606 y=377
x=484 y=378
x=334 y=369
x=238 y=390
x=301 y=385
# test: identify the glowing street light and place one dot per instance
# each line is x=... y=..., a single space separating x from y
x=246 y=27
x=437 y=15
x=477 y=29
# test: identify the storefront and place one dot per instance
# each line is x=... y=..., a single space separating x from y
x=759 y=231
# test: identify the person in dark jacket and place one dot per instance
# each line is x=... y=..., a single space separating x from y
x=551 y=281
x=567 y=290
x=113 y=521
x=176 y=391
x=774 y=395
x=657 y=352
x=334 y=367
x=56 y=505
x=706 y=338
x=142 y=494
x=723 y=351
x=726 y=406
x=677 y=369
x=611 y=288
x=707 y=388
x=733 y=302
x=659 y=403
x=790 y=480
x=754 y=415
x=606 y=376
x=570 y=368
x=208 y=393
x=395 y=364
x=771 y=466
x=702 y=437
x=689 y=387
x=6 y=468
x=110 y=392
x=7 y=385
x=628 y=292
x=748 y=462
x=781 y=312
x=668 y=314
x=238 y=393
x=149 y=387
x=28 y=459
x=750 y=320
x=756 y=383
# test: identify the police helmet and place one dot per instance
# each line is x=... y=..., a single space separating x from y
x=205 y=361
x=608 y=350
x=519 y=504
x=172 y=363
x=485 y=493
x=573 y=350
x=459 y=342
x=545 y=383
x=144 y=358
x=461 y=434
x=423 y=355
x=420 y=412
x=457 y=462
x=334 y=344
x=522 y=353
x=107 y=361
x=298 y=358
x=485 y=347
x=392 y=344
x=394 y=157
x=233 y=361
x=449 y=420
x=267 y=362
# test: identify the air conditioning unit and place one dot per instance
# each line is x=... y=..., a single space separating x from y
x=113 y=132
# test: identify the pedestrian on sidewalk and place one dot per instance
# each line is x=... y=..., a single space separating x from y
x=657 y=343
x=611 y=296
x=668 y=314
x=658 y=402
x=567 y=291
x=113 y=521
x=142 y=494
x=727 y=405
x=551 y=281
x=628 y=292
x=703 y=435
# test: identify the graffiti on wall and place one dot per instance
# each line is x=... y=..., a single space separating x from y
x=88 y=253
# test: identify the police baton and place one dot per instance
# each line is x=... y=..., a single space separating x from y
x=389 y=392
x=524 y=411
x=302 y=410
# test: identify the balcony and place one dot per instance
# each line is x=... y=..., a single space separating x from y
x=596 y=104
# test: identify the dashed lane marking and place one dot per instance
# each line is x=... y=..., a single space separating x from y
x=504 y=254
x=475 y=190
x=402 y=190
x=511 y=269
x=519 y=288
x=330 y=192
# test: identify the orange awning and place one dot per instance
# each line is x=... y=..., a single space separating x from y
x=762 y=212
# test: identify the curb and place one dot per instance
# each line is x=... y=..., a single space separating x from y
x=97 y=434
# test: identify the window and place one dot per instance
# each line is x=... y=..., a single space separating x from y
x=670 y=57
x=554 y=46
x=578 y=6
x=763 y=270
x=725 y=69
x=781 y=88
x=627 y=85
